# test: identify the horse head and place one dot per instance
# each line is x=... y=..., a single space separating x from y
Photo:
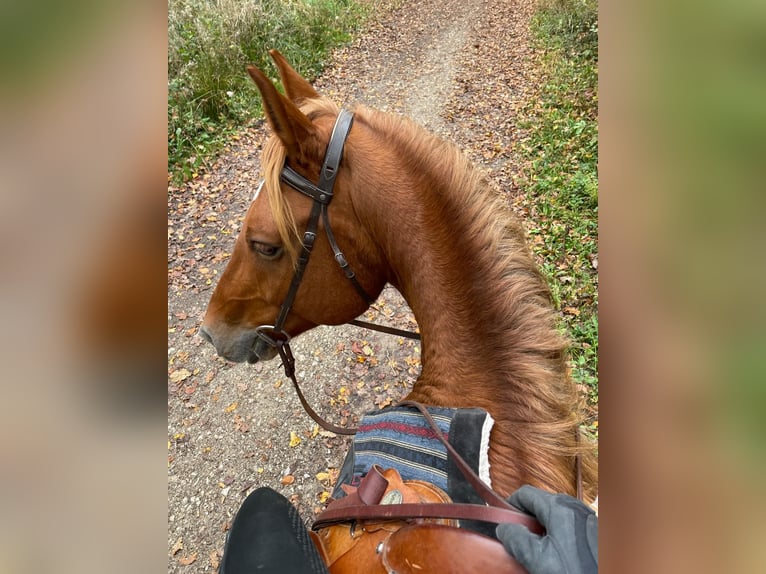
x=252 y=289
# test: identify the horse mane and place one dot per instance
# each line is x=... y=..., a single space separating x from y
x=541 y=408
x=516 y=315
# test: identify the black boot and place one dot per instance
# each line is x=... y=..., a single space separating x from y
x=268 y=536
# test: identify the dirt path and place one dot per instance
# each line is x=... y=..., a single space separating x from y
x=460 y=68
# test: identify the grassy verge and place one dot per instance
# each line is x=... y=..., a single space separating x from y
x=209 y=44
x=562 y=175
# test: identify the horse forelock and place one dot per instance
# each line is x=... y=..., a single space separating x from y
x=272 y=161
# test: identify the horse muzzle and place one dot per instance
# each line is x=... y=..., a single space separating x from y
x=248 y=346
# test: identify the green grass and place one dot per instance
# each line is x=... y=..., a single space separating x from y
x=210 y=42
x=562 y=175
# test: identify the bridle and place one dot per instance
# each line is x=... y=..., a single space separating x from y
x=322 y=193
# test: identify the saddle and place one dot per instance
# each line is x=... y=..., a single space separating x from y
x=389 y=525
x=386 y=524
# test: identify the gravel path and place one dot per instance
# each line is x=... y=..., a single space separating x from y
x=461 y=69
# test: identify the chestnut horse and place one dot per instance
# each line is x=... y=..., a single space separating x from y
x=409 y=210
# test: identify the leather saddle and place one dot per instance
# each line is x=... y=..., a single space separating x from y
x=387 y=525
x=399 y=528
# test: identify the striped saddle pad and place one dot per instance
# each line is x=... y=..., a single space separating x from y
x=399 y=437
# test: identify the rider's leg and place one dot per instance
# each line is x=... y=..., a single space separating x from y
x=268 y=536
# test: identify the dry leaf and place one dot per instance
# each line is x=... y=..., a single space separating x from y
x=295 y=440
x=324 y=496
x=231 y=407
x=322 y=476
x=214 y=559
x=179 y=375
x=287 y=480
x=177 y=547
x=241 y=424
x=186 y=560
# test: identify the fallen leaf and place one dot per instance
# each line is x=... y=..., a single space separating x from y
x=231 y=407
x=295 y=440
x=214 y=559
x=287 y=480
x=322 y=476
x=241 y=424
x=177 y=547
x=179 y=375
x=324 y=496
x=186 y=560
x=367 y=350
x=571 y=311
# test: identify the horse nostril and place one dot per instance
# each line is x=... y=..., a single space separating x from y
x=205 y=335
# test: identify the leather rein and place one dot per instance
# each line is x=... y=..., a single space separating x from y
x=276 y=336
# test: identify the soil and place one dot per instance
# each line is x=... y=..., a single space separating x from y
x=461 y=68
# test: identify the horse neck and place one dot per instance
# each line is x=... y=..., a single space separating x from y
x=484 y=312
x=460 y=260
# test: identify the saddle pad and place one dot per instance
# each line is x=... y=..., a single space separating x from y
x=400 y=437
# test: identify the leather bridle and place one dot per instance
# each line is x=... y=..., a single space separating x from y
x=322 y=193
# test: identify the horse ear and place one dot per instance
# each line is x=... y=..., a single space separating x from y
x=296 y=87
x=287 y=121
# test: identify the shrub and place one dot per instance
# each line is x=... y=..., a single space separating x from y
x=211 y=41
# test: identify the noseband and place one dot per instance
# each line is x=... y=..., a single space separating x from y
x=322 y=193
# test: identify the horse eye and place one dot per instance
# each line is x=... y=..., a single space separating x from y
x=265 y=250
